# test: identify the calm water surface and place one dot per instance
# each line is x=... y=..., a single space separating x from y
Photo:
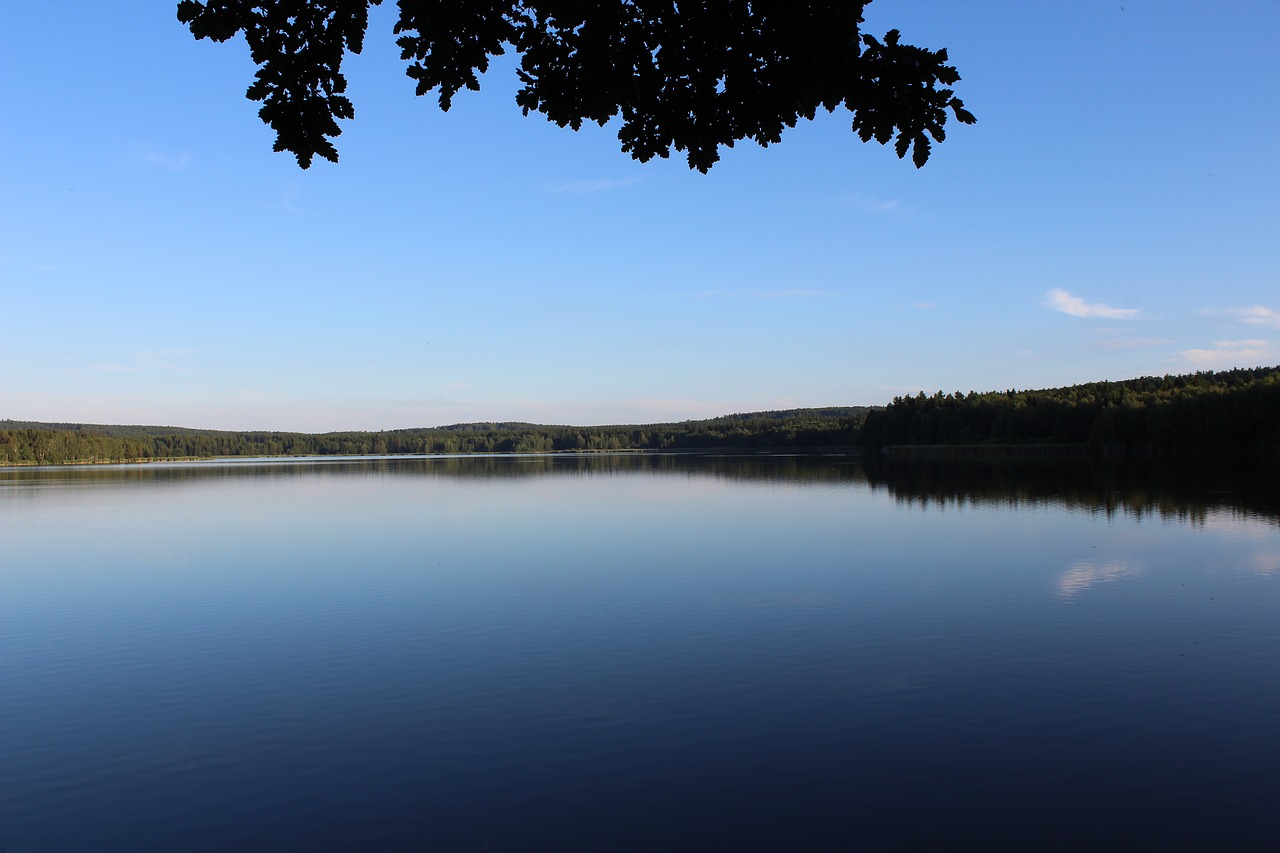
x=636 y=653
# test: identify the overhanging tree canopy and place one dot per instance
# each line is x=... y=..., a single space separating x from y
x=689 y=76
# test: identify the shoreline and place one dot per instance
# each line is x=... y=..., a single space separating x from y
x=736 y=451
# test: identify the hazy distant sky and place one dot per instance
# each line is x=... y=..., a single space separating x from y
x=1114 y=213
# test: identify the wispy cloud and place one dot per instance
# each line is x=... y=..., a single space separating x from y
x=1232 y=353
x=457 y=386
x=285 y=202
x=1063 y=302
x=1119 y=337
x=871 y=204
x=1129 y=343
x=598 y=185
x=923 y=306
x=783 y=293
x=1256 y=316
x=173 y=162
x=878 y=205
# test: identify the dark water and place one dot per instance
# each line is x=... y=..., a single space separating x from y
x=638 y=653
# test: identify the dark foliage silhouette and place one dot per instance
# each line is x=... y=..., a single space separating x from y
x=1223 y=411
x=24 y=442
x=685 y=76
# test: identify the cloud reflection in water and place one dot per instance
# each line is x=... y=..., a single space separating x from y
x=1085 y=575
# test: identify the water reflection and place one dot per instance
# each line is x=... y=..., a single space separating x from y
x=1082 y=576
x=1207 y=492
x=1265 y=563
x=775 y=467
x=635 y=652
x=1184 y=491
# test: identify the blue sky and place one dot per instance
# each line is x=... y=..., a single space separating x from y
x=1114 y=213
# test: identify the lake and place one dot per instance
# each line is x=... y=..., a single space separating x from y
x=638 y=652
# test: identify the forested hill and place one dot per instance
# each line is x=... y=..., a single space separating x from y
x=1231 y=410
x=23 y=442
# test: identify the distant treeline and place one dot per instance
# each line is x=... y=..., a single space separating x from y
x=52 y=444
x=1230 y=410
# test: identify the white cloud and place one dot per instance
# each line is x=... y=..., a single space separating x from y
x=1232 y=354
x=1063 y=302
x=1256 y=316
x=923 y=306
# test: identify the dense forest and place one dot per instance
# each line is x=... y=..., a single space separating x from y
x=52 y=444
x=1232 y=410
x=1209 y=411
